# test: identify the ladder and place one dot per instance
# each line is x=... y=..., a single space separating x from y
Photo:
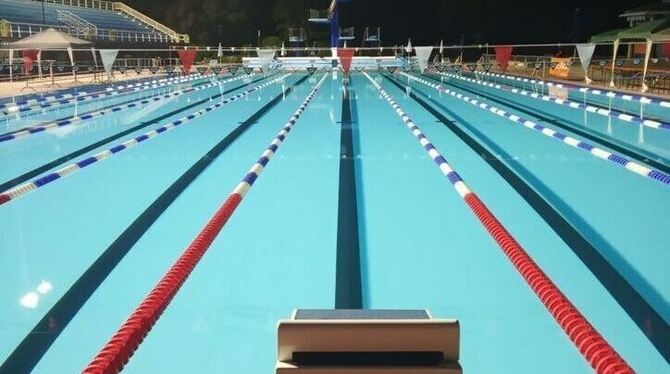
x=74 y=22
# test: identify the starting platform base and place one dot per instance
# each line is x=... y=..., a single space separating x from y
x=444 y=368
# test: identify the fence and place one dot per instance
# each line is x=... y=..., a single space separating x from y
x=541 y=61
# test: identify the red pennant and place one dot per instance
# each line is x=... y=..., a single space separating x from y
x=503 y=54
x=187 y=56
x=346 y=54
x=29 y=56
x=666 y=49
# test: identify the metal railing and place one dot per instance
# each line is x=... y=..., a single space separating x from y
x=93 y=4
x=372 y=34
x=318 y=14
x=296 y=35
x=176 y=37
x=22 y=30
x=75 y=22
x=347 y=33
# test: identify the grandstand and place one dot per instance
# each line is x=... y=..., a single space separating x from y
x=95 y=20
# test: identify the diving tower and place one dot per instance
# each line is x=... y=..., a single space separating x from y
x=330 y=16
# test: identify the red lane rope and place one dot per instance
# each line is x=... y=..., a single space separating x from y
x=116 y=353
x=602 y=357
x=595 y=349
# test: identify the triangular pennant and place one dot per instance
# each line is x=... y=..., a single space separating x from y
x=472 y=67
x=75 y=68
x=138 y=70
x=216 y=70
x=265 y=57
x=636 y=61
x=391 y=69
x=187 y=56
x=233 y=70
x=311 y=70
x=60 y=67
x=407 y=68
x=29 y=56
x=602 y=63
x=422 y=56
x=169 y=69
x=503 y=55
x=248 y=70
x=487 y=67
x=45 y=68
x=552 y=64
x=346 y=56
x=440 y=68
x=202 y=69
x=122 y=69
x=153 y=69
x=91 y=68
x=108 y=56
x=456 y=68
x=537 y=65
x=617 y=63
x=16 y=67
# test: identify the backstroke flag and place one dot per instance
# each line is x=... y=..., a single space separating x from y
x=585 y=52
x=423 y=55
x=265 y=57
x=503 y=54
x=408 y=48
x=108 y=56
x=70 y=53
x=346 y=55
x=187 y=56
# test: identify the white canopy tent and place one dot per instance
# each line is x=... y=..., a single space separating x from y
x=49 y=39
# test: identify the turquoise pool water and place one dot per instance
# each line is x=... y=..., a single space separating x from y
x=80 y=252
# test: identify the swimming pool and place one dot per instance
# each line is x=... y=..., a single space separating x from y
x=352 y=211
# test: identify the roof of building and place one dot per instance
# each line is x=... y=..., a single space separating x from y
x=657 y=8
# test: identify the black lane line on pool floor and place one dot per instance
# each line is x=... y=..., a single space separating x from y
x=348 y=284
x=161 y=92
x=27 y=354
x=50 y=165
x=640 y=155
x=641 y=312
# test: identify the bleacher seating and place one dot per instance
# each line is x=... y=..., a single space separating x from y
x=26 y=18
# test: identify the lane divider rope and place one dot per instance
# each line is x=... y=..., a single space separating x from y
x=572 y=104
x=616 y=159
x=123 y=344
x=594 y=91
x=595 y=349
x=22 y=189
x=59 y=100
x=95 y=114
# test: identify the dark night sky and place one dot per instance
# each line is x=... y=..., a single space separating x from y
x=493 y=21
x=427 y=21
